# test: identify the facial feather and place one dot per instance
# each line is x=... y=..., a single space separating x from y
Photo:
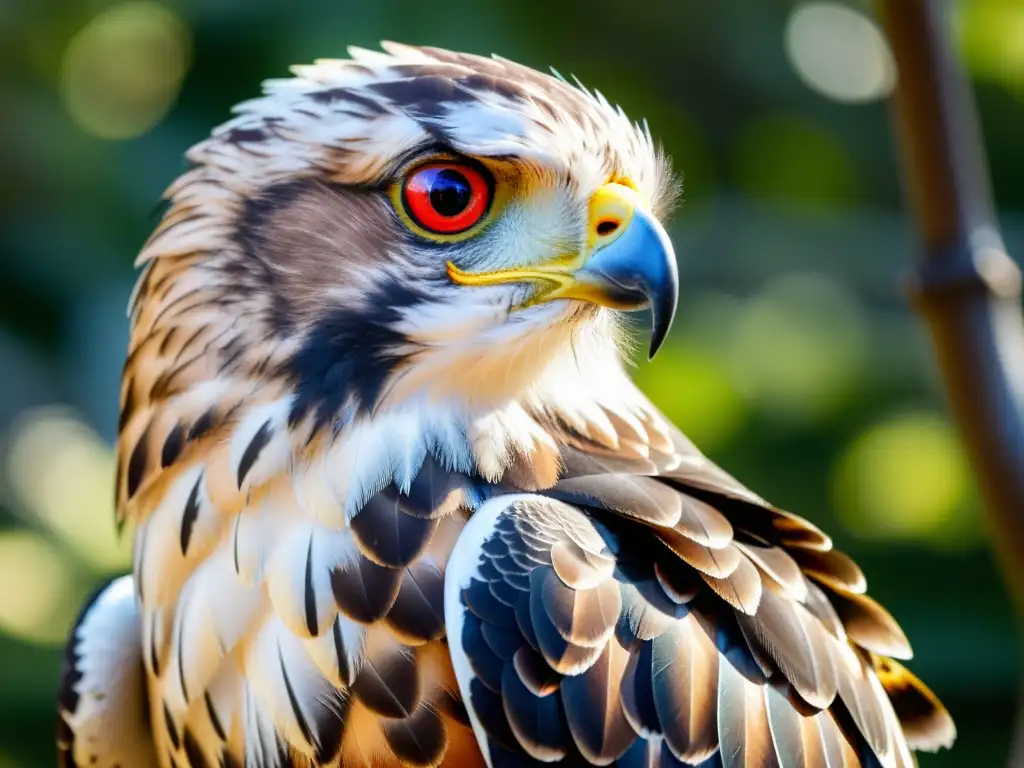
x=285 y=200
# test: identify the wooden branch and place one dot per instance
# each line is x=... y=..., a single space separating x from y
x=966 y=287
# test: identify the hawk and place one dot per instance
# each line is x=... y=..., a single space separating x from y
x=394 y=499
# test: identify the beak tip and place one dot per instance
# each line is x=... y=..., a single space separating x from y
x=663 y=306
x=659 y=331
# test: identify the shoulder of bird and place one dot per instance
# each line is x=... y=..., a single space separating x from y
x=394 y=500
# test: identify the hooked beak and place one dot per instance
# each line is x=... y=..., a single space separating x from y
x=628 y=264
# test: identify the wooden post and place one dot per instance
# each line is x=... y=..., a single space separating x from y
x=965 y=287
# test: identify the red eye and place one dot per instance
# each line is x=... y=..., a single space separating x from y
x=446 y=198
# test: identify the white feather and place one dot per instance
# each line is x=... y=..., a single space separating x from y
x=259 y=731
x=215 y=611
x=463 y=566
x=280 y=671
x=274 y=455
x=312 y=551
x=224 y=697
x=324 y=650
x=160 y=565
x=390 y=449
x=109 y=723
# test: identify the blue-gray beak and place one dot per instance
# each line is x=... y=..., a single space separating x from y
x=636 y=270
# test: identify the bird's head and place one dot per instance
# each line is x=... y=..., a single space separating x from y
x=417 y=223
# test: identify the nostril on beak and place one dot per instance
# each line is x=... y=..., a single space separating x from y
x=607 y=226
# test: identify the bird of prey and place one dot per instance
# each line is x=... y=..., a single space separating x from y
x=395 y=500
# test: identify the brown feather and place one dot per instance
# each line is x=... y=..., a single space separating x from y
x=741 y=589
x=593 y=709
x=743 y=727
x=861 y=701
x=871 y=626
x=718 y=563
x=536 y=675
x=787 y=732
x=777 y=637
x=578 y=568
x=926 y=723
x=775 y=562
x=685 y=672
x=704 y=524
x=583 y=617
x=833 y=568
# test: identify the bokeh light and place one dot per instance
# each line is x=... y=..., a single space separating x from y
x=991 y=36
x=121 y=73
x=839 y=52
x=60 y=474
x=799 y=348
x=906 y=477
x=34 y=582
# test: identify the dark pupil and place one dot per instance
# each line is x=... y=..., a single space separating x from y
x=449 y=192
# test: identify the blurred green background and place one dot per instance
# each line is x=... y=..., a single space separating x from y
x=795 y=362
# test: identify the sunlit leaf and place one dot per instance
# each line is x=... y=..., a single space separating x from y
x=122 y=71
x=906 y=477
x=61 y=474
x=34 y=582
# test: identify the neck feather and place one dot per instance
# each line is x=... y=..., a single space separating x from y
x=496 y=441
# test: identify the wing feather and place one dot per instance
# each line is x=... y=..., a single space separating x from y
x=811 y=625
x=684 y=670
x=743 y=730
x=703 y=680
x=925 y=722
